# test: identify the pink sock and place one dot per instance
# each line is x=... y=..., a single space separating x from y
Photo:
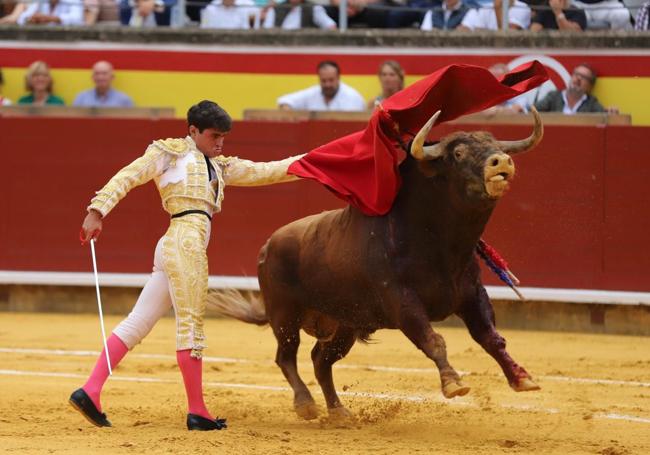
x=116 y=351
x=192 y=369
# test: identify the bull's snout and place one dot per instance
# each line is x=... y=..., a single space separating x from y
x=499 y=170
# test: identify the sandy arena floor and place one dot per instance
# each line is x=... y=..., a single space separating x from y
x=595 y=396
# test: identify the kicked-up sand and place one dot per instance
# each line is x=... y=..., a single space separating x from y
x=595 y=396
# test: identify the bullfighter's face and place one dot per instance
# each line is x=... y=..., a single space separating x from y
x=209 y=141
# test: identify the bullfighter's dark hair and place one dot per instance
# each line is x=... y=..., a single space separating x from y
x=208 y=114
x=331 y=63
x=591 y=70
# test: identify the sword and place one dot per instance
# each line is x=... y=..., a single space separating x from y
x=99 y=304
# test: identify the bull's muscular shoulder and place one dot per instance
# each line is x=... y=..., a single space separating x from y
x=173 y=146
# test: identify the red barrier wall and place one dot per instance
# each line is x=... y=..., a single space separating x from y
x=577 y=215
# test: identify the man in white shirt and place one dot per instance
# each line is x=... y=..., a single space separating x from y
x=330 y=95
x=298 y=14
x=446 y=18
x=230 y=14
x=489 y=17
x=53 y=12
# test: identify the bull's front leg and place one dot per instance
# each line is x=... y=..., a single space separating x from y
x=478 y=315
x=415 y=324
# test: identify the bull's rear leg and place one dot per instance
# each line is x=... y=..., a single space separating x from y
x=416 y=326
x=324 y=355
x=288 y=337
x=478 y=316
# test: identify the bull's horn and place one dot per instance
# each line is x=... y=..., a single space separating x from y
x=421 y=152
x=523 y=145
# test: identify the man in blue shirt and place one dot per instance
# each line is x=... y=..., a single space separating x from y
x=103 y=95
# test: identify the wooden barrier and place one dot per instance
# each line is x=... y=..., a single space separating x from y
x=481 y=118
x=28 y=110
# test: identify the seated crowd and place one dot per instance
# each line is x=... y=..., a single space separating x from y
x=534 y=15
x=330 y=94
x=39 y=87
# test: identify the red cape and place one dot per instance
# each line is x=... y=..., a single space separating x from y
x=362 y=168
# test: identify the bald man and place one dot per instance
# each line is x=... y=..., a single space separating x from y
x=103 y=95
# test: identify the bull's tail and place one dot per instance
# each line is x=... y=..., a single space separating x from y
x=232 y=303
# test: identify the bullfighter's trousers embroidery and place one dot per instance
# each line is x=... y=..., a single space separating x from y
x=186 y=265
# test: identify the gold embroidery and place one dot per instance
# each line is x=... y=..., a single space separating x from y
x=175 y=146
x=183 y=247
x=137 y=173
x=186 y=265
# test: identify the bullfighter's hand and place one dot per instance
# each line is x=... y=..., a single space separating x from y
x=91 y=227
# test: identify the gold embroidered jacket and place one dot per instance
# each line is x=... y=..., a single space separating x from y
x=181 y=175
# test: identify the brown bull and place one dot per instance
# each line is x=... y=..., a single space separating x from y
x=341 y=275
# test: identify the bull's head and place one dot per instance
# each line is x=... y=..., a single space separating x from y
x=479 y=153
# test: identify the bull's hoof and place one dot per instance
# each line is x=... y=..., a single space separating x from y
x=306 y=410
x=455 y=389
x=525 y=385
x=339 y=413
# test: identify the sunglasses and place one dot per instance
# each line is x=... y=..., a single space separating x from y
x=584 y=77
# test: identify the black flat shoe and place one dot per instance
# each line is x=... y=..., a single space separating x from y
x=196 y=422
x=82 y=403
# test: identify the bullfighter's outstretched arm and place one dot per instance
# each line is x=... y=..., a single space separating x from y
x=239 y=172
x=137 y=173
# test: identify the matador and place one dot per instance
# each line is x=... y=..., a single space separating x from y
x=190 y=174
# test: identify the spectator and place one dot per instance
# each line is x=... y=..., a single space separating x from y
x=363 y=13
x=55 y=12
x=16 y=10
x=641 y=20
x=194 y=9
x=298 y=14
x=447 y=18
x=38 y=83
x=330 y=95
x=229 y=14
x=410 y=14
x=489 y=17
x=391 y=79
x=608 y=13
x=577 y=97
x=560 y=16
x=141 y=13
x=3 y=101
x=103 y=95
x=101 y=11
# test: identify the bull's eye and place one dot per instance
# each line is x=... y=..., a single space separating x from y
x=458 y=154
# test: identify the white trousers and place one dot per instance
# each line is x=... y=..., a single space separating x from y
x=611 y=12
x=154 y=301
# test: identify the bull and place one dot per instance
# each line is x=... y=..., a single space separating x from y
x=341 y=275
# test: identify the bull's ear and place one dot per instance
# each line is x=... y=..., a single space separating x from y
x=430 y=168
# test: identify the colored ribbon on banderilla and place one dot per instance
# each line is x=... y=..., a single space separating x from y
x=498 y=265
